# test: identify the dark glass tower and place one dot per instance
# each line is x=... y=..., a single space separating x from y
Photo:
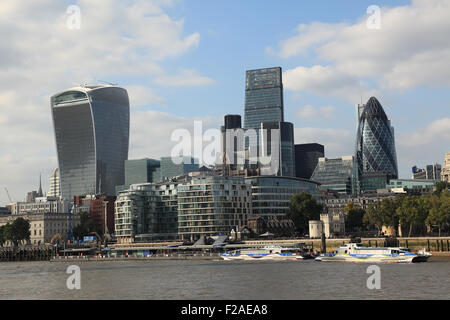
x=92 y=126
x=306 y=157
x=376 y=158
x=263 y=97
x=284 y=158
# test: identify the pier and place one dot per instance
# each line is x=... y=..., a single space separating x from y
x=43 y=253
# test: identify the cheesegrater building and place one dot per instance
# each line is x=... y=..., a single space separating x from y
x=92 y=126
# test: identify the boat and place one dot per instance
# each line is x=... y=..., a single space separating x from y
x=356 y=252
x=268 y=253
x=422 y=255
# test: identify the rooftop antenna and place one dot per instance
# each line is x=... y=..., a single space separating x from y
x=111 y=84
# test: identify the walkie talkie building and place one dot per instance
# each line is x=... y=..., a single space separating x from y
x=92 y=125
x=376 y=158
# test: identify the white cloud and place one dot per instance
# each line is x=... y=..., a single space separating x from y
x=310 y=112
x=186 y=77
x=412 y=48
x=144 y=96
x=40 y=56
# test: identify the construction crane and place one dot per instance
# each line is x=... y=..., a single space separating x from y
x=8 y=195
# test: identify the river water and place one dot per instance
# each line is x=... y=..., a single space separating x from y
x=217 y=280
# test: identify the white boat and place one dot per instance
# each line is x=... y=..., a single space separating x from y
x=266 y=253
x=356 y=252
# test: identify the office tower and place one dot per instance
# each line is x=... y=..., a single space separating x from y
x=277 y=144
x=171 y=168
x=230 y=149
x=142 y=171
x=375 y=154
x=430 y=172
x=306 y=157
x=335 y=175
x=263 y=97
x=232 y=121
x=54 y=187
x=92 y=126
x=445 y=173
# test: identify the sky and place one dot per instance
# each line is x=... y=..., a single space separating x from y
x=183 y=61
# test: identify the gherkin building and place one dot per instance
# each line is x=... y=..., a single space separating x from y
x=376 y=158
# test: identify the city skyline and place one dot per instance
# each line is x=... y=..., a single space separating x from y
x=174 y=80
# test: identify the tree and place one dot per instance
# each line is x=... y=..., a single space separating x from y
x=374 y=216
x=2 y=236
x=303 y=208
x=441 y=186
x=354 y=217
x=85 y=227
x=412 y=211
x=439 y=212
x=17 y=231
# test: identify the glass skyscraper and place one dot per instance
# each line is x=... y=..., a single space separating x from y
x=335 y=175
x=92 y=126
x=306 y=157
x=376 y=158
x=263 y=97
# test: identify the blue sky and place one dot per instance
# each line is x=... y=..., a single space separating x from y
x=185 y=60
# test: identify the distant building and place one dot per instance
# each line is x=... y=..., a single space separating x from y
x=306 y=157
x=92 y=126
x=40 y=205
x=271 y=195
x=173 y=167
x=100 y=209
x=4 y=211
x=263 y=97
x=44 y=226
x=142 y=171
x=277 y=143
x=413 y=186
x=430 y=172
x=445 y=173
x=54 y=189
x=375 y=154
x=333 y=224
x=335 y=175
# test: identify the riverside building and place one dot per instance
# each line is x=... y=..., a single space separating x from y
x=211 y=205
x=445 y=174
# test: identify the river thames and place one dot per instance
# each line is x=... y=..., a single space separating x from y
x=218 y=280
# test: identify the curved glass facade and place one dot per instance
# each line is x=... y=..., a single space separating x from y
x=375 y=143
x=92 y=136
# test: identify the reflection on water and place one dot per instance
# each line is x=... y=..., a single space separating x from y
x=224 y=280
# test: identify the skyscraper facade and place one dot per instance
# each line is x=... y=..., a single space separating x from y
x=263 y=97
x=306 y=157
x=445 y=173
x=92 y=126
x=335 y=175
x=54 y=189
x=375 y=154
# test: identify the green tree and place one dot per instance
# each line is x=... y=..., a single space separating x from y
x=17 y=231
x=354 y=217
x=374 y=216
x=412 y=211
x=2 y=235
x=441 y=186
x=439 y=210
x=85 y=227
x=303 y=208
